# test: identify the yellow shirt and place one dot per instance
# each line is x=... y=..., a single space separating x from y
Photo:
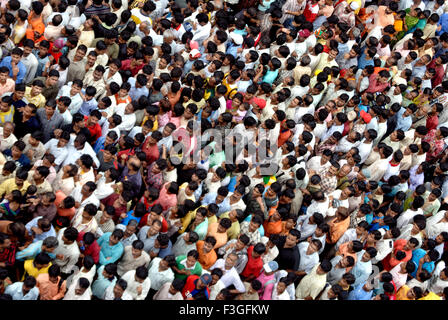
x=9 y=185
x=38 y=101
x=431 y=296
x=234 y=229
x=31 y=270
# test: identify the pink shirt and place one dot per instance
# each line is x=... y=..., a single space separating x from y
x=167 y=200
x=266 y=289
x=7 y=87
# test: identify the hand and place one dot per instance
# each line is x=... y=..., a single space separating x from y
x=36 y=230
x=123 y=215
x=60 y=256
x=77 y=204
x=30 y=153
x=57 y=133
x=15 y=69
x=139 y=290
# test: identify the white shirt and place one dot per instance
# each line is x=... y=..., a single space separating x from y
x=77 y=195
x=59 y=153
x=70 y=253
x=109 y=294
x=74 y=154
x=398 y=278
x=406 y=217
x=307 y=262
x=133 y=285
x=103 y=189
x=229 y=277
x=158 y=279
x=76 y=99
x=127 y=120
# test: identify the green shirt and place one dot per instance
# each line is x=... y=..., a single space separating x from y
x=181 y=262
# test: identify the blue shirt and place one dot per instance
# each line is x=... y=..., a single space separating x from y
x=362 y=62
x=261 y=229
x=40 y=63
x=99 y=144
x=359 y=293
x=31 y=251
x=417 y=254
x=6 y=62
x=130 y=216
x=107 y=251
x=232 y=48
x=42 y=236
x=270 y=76
x=167 y=251
x=403 y=123
x=23 y=161
x=100 y=285
x=88 y=106
x=15 y=291
x=223 y=206
x=135 y=93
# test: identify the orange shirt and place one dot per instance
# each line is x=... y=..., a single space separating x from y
x=343 y=250
x=205 y=259
x=337 y=229
x=271 y=227
x=49 y=290
x=221 y=238
x=69 y=213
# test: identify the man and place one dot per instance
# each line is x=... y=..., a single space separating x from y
x=79 y=290
x=138 y=282
x=49 y=119
x=50 y=89
x=309 y=255
x=67 y=252
x=111 y=247
x=170 y=291
x=363 y=267
x=16 y=67
x=254 y=262
x=313 y=283
x=289 y=257
x=133 y=257
x=117 y=292
x=196 y=288
x=25 y=290
x=230 y=274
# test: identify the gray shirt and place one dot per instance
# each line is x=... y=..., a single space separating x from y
x=148 y=241
x=48 y=126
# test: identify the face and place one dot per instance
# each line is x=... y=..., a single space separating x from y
x=290 y=240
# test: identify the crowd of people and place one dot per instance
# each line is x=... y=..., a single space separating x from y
x=223 y=150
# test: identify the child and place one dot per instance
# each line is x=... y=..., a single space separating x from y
x=279 y=292
x=123 y=94
x=239 y=114
x=7 y=171
x=11 y=205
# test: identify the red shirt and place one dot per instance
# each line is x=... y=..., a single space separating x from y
x=92 y=250
x=432 y=122
x=152 y=152
x=95 y=130
x=144 y=220
x=311 y=11
x=126 y=65
x=189 y=291
x=253 y=266
x=440 y=73
x=109 y=201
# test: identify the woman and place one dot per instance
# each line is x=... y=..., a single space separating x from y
x=20 y=26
